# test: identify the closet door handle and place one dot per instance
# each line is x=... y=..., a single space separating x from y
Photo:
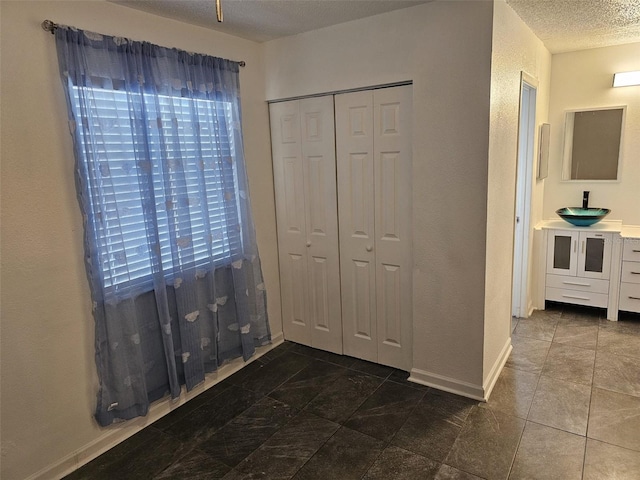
x=368 y=248
x=308 y=243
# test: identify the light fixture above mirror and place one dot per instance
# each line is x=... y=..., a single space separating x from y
x=626 y=79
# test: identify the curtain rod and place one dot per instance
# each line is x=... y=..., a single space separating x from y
x=49 y=26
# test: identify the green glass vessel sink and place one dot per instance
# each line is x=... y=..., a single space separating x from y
x=582 y=217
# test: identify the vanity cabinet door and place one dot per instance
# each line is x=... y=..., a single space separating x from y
x=562 y=252
x=595 y=255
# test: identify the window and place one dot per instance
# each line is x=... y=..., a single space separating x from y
x=188 y=150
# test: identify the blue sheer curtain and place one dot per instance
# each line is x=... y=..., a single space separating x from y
x=170 y=246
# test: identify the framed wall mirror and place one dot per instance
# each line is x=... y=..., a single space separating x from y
x=593 y=144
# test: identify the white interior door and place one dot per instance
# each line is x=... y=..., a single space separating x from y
x=392 y=172
x=524 y=180
x=288 y=177
x=321 y=213
x=355 y=165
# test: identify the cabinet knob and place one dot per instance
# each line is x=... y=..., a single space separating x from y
x=369 y=248
x=308 y=243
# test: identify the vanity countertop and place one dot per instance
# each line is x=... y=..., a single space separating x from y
x=613 y=226
x=631 y=231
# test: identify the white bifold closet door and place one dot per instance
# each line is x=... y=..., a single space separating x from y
x=304 y=163
x=373 y=145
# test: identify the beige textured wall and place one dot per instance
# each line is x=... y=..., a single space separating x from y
x=583 y=79
x=445 y=49
x=515 y=49
x=48 y=371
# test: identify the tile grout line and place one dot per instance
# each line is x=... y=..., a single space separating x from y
x=312 y=455
x=526 y=420
x=300 y=410
x=593 y=386
x=407 y=419
x=537 y=385
x=243 y=412
x=347 y=369
x=513 y=460
x=515 y=453
x=389 y=442
x=584 y=455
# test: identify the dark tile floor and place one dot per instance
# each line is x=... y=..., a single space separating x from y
x=567 y=405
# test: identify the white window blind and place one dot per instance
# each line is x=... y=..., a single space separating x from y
x=187 y=146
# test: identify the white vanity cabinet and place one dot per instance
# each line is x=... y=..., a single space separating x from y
x=578 y=267
x=630 y=276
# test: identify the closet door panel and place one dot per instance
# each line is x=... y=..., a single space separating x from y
x=288 y=176
x=360 y=289
x=355 y=168
x=321 y=214
x=295 y=272
x=391 y=304
x=320 y=297
x=392 y=172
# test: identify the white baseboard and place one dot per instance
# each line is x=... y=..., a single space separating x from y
x=117 y=433
x=492 y=378
x=465 y=389
x=447 y=384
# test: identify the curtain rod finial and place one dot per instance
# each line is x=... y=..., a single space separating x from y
x=48 y=26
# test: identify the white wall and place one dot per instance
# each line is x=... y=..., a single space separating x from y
x=48 y=370
x=515 y=49
x=445 y=49
x=583 y=79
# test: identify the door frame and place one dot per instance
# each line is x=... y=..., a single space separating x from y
x=524 y=181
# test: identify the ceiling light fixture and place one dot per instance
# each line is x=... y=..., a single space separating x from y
x=219 y=10
x=626 y=79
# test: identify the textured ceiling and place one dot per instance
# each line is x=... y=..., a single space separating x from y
x=563 y=25
x=568 y=25
x=262 y=20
